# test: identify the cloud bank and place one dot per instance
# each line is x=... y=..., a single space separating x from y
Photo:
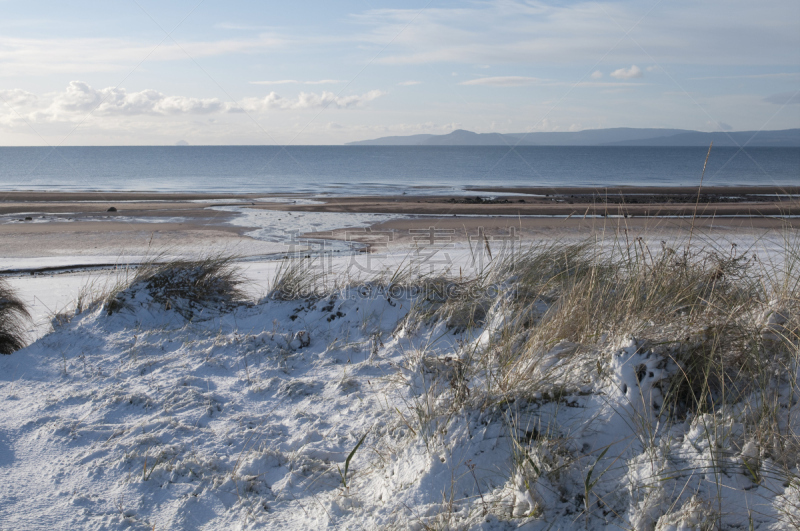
x=80 y=99
x=304 y=100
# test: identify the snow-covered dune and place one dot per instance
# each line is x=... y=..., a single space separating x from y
x=375 y=405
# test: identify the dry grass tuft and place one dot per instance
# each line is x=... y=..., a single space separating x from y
x=13 y=316
x=705 y=306
x=185 y=286
x=297 y=278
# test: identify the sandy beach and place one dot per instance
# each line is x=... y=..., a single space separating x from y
x=47 y=224
x=50 y=225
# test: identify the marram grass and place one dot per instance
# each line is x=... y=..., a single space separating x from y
x=13 y=317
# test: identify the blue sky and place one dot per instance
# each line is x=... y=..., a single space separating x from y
x=211 y=72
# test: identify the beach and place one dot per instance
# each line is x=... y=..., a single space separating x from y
x=44 y=225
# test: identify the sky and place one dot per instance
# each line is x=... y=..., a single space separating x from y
x=155 y=72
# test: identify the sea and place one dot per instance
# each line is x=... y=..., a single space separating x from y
x=379 y=170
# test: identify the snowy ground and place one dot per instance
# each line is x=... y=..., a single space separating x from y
x=246 y=418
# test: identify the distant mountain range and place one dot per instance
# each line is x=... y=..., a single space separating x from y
x=620 y=136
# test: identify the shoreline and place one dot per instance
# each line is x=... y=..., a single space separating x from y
x=49 y=225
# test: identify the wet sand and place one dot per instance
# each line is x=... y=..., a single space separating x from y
x=38 y=229
x=126 y=204
x=528 y=201
x=576 y=201
x=50 y=224
x=79 y=223
x=112 y=243
x=29 y=196
x=439 y=207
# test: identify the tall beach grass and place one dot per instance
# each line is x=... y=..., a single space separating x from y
x=13 y=317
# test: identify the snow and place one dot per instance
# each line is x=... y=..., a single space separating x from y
x=245 y=418
x=48 y=295
x=286 y=226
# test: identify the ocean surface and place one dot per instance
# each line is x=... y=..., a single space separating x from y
x=383 y=170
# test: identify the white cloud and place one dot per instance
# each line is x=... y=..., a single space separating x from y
x=503 y=81
x=627 y=73
x=17 y=97
x=597 y=74
x=409 y=83
x=311 y=100
x=80 y=99
x=543 y=125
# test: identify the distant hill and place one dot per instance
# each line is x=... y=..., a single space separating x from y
x=460 y=137
x=411 y=140
x=620 y=136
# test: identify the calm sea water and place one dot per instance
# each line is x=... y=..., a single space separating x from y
x=382 y=170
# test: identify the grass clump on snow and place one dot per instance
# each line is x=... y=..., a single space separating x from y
x=720 y=316
x=13 y=316
x=297 y=278
x=185 y=286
